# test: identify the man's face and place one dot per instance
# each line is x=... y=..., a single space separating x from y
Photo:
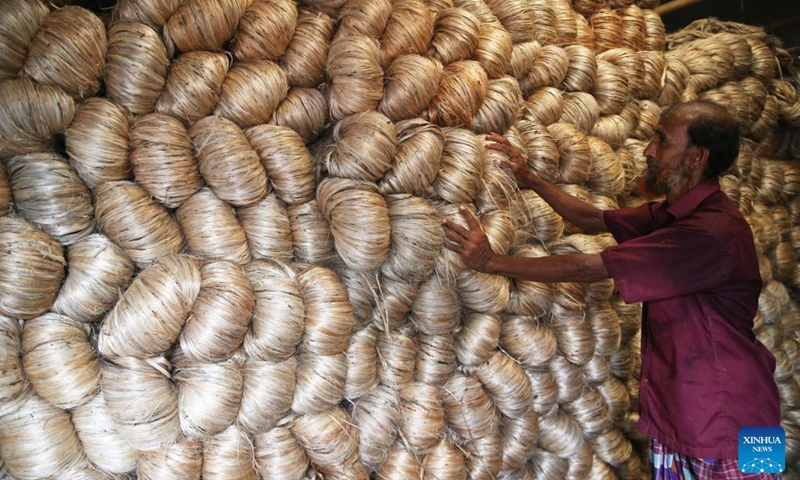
x=665 y=158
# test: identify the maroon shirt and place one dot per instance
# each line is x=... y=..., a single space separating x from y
x=704 y=374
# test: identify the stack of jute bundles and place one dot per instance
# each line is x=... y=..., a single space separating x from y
x=742 y=68
x=221 y=243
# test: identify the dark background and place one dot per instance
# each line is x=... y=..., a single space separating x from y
x=780 y=18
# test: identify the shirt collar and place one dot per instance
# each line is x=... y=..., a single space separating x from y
x=694 y=197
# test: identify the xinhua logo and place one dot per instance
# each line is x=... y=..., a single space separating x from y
x=762 y=449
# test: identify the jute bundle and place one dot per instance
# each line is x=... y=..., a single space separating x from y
x=501 y=107
x=585 y=34
x=526 y=297
x=649 y=113
x=361 y=289
x=358 y=219
x=362 y=363
x=579 y=465
x=277 y=323
x=518 y=439
x=311 y=235
x=266 y=225
x=149 y=316
x=278 y=454
x=608 y=29
x=267 y=393
x=574 y=335
x=497 y=194
x=787 y=96
x=251 y=92
x=505 y=381
x=422 y=414
x=522 y=57
x=132 y=219
x=634 y=27
x=97 y=142
x=581 y=70
x=655 y=31
x=161 y=155
x=461 y=167
x=400 y=464
x=436 y=359
x=5 y=191
x=411 y=82
x=664 y=77
x=142 y=401
x=631 y=158
x=409 y=30
x=416 y=160
x=151 y=12
x=436 y=309
x=136 y=66
x=193 y=86
x=211 y=228
x=469 y=409
x=565 y=22
x=393 y=304
x=364 y=18
x=540 y=223
x=616 y=397
x=494 y=49
x=445 y=461
x=397 y=352
x=575 y=154
x=18 y=26
x=378 y=417
x=328 y=313
x=204 y=25
x=587 y=8
x=612 y=447
x=181 y=459
x=544 y=22
x=229 y=456
x=221 y=314
x=304 y=110
x=102 y=441
x=550 y=68
x=605 y=325
x=716 y=66
x=304 y=58
x=32 y=270
x=416 y=238
x=631 y=68
x=544 y=106
x=38 y=441
x=484 y=456
x=362 y=147
x=209 y=396
x=516 y=17
x=615 y=129
x=59 y=360
x=479 y=8
x=455 y=35
x=529 y=340
x=763 y=59
x=544 y=384
x=229 y=165
x=330 y=441
x=483 y=292
x=33 y=114
x=356 y=76
x=13 y=384
x=597 y=370
x=49 y=193
x=611 y=88
x=580 y=109
x=606 y=175
x=478 y=337
x=265 y=30
x=568 y=378
x=462 y=89
x=69 y=51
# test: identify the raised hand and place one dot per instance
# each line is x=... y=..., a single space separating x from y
x=471 y=243
x=524 y=176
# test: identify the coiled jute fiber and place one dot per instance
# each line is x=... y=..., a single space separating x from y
x=265 y=290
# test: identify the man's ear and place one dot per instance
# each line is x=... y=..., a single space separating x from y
x=699 y=157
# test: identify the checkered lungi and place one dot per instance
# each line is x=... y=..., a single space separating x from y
x=667 y=464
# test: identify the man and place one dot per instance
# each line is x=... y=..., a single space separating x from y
x=692 y=261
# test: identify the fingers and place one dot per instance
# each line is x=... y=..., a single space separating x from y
x=498 y=138
x=473 y=222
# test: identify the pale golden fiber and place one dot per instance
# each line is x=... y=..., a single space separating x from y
x=193 y=86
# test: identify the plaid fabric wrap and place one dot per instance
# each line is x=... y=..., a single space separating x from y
x=667 y=464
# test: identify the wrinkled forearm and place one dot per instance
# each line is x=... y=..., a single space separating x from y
x=583 y=268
